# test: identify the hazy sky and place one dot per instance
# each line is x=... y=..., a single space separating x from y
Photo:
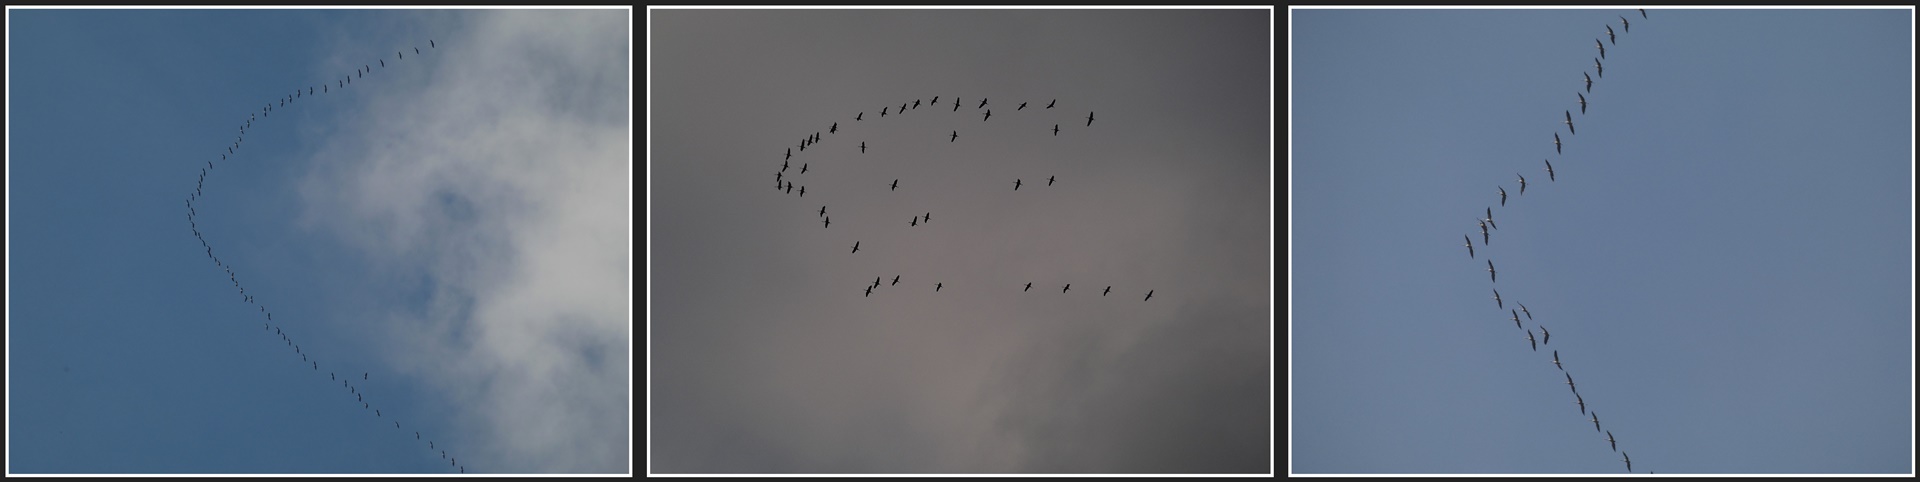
x=1723 y=260
x=456 y=225
x=766 y=353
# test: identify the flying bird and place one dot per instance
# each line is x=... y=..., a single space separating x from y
x=956 y=135
x=863 y=147
x=1483 y=234
x=1496 y=294
x=1576 y=391
x=1029 y=287
x=1523 y=309
x=1583 y=103
x=783 y=166
x=1490 y=273
x=1549 y=170
x=856 y=247
x=1623 y=455
x=916 y=103
x=416 y=50
x=1149 y=295
x=903 y=107
x=1089 y=117
x=914 y=222
x=1625 y=26
x=988 y=116
x=803 y=190
x=956 y=104
x=1569 y=122
x=983 y=102
x=883 y=111
x=1603 y=48
x=1556 y=143
x=826 y=222
x=1023 y=105
x=1612 y=444
x=896 y=280
x=1523 y=182
x=1469 y=245
x=936 y=286
x=1589 y=81
x=935 y=101
x=1556 y=364
x=1579 y=401
x=363 y=376
x=1016 y=184
x=1489 y=218
x=1643 y=13
x=1516 y=319
x=823 y=210
x=1545 y=336
x=876 y=281
x=430 y=44
x=1599 y=70
x=1530 y=341
x=383 y=64
x=1064 y=288
x=1056 y=129
x=399 y=54
x=1050 y=103
x=858 y=116
x=1596 y=420
x=1104 y=293
x=1503 y=199
x=1610 y=35
x=929 y=216
x=896 y=185
x=834 y=129
x=789 y=187
x=803 y=168
x=1049 y=180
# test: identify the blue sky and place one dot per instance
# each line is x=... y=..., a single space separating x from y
x=1724 y=260
x=389 y=226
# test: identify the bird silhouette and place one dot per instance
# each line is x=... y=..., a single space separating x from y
x=1104 y=292
x=1029 y=287
x=1550 y=177
x=1149 y=295
x=1589 y=81
x=1050 y=103
x=858 y=116
x=896 y=280
x=1023 y=105
x=1064 y=288
x=1610 y=35
x=1556 y=143
x=1056 y=129
x=1583 y=103
x=896 y=185
x=856 y=246
x=983 y=102
x=936 y=286
x=1089 y=118
x=863 y=147
x=1049 y=180
x=956 y=135
x=988 y=116
x=1016 y=184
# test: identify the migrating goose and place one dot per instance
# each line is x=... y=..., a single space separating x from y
x=1556 y=143
x=1023 y=105
x=929 y=217
x=983 y=102
x=1599 y=70
x=803 y=191
x=1104 y=293
x=1049 y=180
x=1028 y=288
x=1610 y=35
x=916 y=103
x=883 y=111
x=1530 y=341
x=1583 y=103
x=856 y=249
x=1569 y=122
x=1483 y=233
x=1496 y=295
x=1577 y=400
x=1056 y=129
x=1576 y=391
x=935 y=101
x=869 y=291
x=824 y=223
x=834 y=129
x=1556 y=364
x=1149 y=295
x=1489 y=219
x=936 y=286
x=863 y=147
x=1016 y=184
x=1469 y=245
x=1545 y=336
x=1050 y=103
x=1549 y=170
x=914 y=222
x=1064 y=288
x=876 y=281
x=1523 y=309
x=1089 y=117
x=1625 y=26
x=1503 y=198
x=1596 y=420
x=1490 y=273
x=803 y=168
x=1589 y=81
x=1523 y=183
x=1603 y=48
x=1623 y=455
x=783 y=165
x=956 y=135
x=823 y=210
x=896 y=185
x=1516 y=320
x=956 y=104
x=988 y=116
x=1611 y=443
x=789 y=187
x=858 y=116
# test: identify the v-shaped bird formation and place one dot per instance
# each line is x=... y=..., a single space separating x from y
x=1545 y=338
x=282 y=329
x=1047 y=123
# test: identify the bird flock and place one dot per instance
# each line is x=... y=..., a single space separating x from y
x=281 y=328
x=786 y=185
x=1515 y=314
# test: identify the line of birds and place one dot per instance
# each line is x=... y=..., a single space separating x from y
x=782 y=184
x=232 y=277
x=1493 y=275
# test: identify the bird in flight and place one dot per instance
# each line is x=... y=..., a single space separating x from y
x=903 y=107
x=1064 y=288
x=1545 y=337
x=1089 y=117
x=1589 y=81
x=1496 y=293
x=863 y=147
x=936 y=100
x=1643 y=13
x=1503 y=200
x=896 y=280
x=1056 y=129
x=1599 y=70
x=896 y=185
x=856 y=249
x=1050 y=103
x=1576 y=391
x=824 y=223
x=1623 y=455
x=1523 y=309
x=858 y=116
x=956 y=104
x=916 y=103
x=1549 y=170
x=1049 y=180
x=803 y=168
x=1023 y=105
x=983 y=102
x=1104 y=293
x=1569 y=122
x=1583 y=103
x=1530 y=341
x=1556 y=143
x=834 y=129
x=1596 y=420
x=1602 y=47
x=1625 y=26
x=1149 y=295
x=1016 y=184
x=869 y=291
x=989 y=115
x=936 y=286
x=1490 y=273
x=823 y=210
x=1523 y=181
x=1610 y=35
x=929 y=217
x=1516 y=320
x=914 y=222
x=1029 y=287
x=1611 y=443
x=430 y=44
x=783 y=166
x=803 y=190
x=1469 y=245
x=1577 y=400
x=1489 y=218
x=956 y=135
x=1556 y=364
x=1483 y=234
x=883 y=112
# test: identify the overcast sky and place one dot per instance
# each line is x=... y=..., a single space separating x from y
x=455 y=225
x=767 y=355
x=1723 y=256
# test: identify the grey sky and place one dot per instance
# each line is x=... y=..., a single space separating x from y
x=767 y=356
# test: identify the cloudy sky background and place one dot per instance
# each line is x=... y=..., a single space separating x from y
x=457 y=224
x=1724 y=260
x=765 y=354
